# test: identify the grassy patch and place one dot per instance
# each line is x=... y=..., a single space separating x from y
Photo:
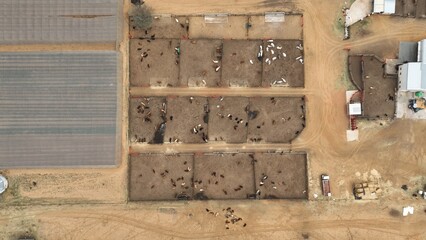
x=14 y=189
x=339 y=24
x=344 y=81
x=361 y=27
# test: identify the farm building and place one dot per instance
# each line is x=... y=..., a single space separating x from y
x=58 y=109
x=58 y=21
x=384 y=6
x=412 y=74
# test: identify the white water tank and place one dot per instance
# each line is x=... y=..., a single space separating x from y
x=3 y=184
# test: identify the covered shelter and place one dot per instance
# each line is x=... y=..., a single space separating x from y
x=59 y=109
x=59 y=21
x=412 y=75
x=384 y=6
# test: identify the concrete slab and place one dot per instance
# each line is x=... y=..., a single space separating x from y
x=290 y=29
x=358 y=11
x=402 y=110
x=235 y=28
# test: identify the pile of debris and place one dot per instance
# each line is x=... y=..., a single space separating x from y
x=367 y=191
x=419 y=193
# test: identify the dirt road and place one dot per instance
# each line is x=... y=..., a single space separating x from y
x=393 y=153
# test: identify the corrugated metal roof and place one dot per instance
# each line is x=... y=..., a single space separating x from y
x=421 y=51
x=390 y=6
x=407 y=52
x=378 y=6
x=58 y=109
x=414 y=76
x=384 y=6
x=29 y=21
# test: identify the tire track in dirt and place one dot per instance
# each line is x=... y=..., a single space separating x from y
x=230 y=6
x=384 y=226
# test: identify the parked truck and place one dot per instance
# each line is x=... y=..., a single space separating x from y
x=325 y=180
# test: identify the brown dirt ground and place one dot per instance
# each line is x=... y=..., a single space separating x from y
x=181 y=120
x=379 y=91
x=283 y=67
x=160 y=177
x=233 y=29
x=406 y=8
x=163 y=26
x=212 y=176
x=286 y=175
x=224 y=176
x=152 y=70
x=237 y=68
x=198 y=69
x=291 y=28
x=70 y=203
x=421 y=9
x=227 y=119
x=145 y=118
x=279 y=120
x=355 y=68
x=230 y=129
x=197 y=64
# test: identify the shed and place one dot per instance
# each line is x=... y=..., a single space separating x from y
x=59 y=109
x=355 y=109
x=408 y=52
x=59 y=21
x=412 y=75
x=384 y=6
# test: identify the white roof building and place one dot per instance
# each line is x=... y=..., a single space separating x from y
x=384 y=6
x=412 y=75
x=355 y=109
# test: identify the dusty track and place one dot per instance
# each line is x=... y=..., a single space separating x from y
x=395 y=151
x=249 y=92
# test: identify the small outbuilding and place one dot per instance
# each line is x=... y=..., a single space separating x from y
x=355 y=109
x=384 y=6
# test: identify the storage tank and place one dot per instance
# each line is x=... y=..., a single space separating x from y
x=3 y=184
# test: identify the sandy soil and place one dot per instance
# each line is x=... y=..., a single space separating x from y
x=290 y=29
x=393 y=153
x=233 y=29
x=162 y=27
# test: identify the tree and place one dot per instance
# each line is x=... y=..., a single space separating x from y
x=141 y=17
